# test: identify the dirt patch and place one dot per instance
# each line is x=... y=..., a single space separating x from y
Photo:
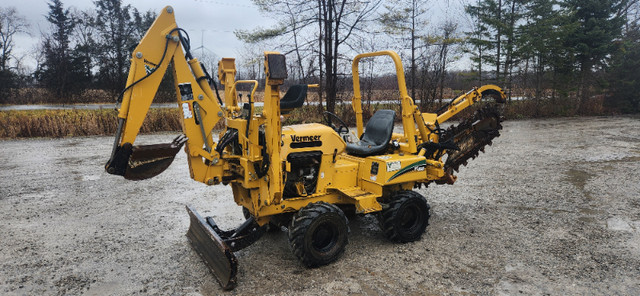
x=550 y=208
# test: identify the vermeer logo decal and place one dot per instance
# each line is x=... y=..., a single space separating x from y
x=295 y=138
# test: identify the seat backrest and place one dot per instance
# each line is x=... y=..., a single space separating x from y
x=294 y=98
x=380 y=127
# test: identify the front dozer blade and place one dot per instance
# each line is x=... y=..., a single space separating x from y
x=216 y=254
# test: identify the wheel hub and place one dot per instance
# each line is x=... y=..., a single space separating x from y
x=324 y=237
x=410 y=218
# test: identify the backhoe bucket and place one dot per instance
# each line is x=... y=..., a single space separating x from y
x=216 y=254
x=148 y=161
x=144 y=161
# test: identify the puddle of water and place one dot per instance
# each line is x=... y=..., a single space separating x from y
x=579 y=179
x=588 y=211
x=618 y=224
x=555 y=211
x=624 y=139
x=613 y=158
x=91 y=178
x=588 y=215
x=587 y=220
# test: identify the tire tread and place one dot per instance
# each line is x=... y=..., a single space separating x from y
x=301 y=222
x=388 y=216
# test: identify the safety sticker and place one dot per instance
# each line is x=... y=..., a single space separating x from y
x=148 y=69
x=393 y=166
x=186 y=92
x=186 y=110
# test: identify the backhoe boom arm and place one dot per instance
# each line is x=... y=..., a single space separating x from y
x=163 y=44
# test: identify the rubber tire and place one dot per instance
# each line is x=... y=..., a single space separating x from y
x=317 y=219
x=406 y=218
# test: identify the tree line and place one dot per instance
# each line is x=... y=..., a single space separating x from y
x=546 y=50
x=82 y=49
x=559 y=48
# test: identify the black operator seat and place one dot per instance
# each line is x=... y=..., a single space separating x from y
x=294 y=98
x=377 y=135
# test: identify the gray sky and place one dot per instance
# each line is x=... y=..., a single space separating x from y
x=210 y=20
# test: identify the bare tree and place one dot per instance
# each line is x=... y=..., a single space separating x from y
x=441 y=47
x=406 y=19
x=340 y=20
x=11 y=24
x=448 y=39
x=370 y=68
x=337 y=22
x=290 y=35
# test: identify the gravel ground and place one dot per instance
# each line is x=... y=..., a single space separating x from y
x=551 y=208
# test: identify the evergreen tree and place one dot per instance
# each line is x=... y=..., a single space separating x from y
x=478 y=43
x=512 y=15
x=625 y=73
x=487 y=36
x=119 y=28
x=538 y=44
x=494 y=36
x=593 y=27
x=58 y=72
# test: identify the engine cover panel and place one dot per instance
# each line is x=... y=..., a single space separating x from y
x=310 y=137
